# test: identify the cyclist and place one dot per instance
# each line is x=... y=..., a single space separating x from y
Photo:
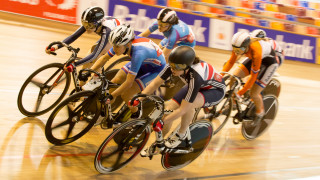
x=205 y=87
x=260 y=33
x=93 y=19
x=146 y=63
x=175 y=31
x=261 y=63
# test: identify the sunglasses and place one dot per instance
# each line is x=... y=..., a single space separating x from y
x=239 y=50
x=178 y=67
x=88 y=25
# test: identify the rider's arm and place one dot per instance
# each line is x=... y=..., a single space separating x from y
x=228 y=65
x=255 y=67
x=146 y=33
x=98 y=49
x=156 y=83
x=184 y=107
x=102 y=60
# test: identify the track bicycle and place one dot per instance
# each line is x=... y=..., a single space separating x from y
x=126 y=141
x=245 y=108
x=47 y=86
x=83 y=110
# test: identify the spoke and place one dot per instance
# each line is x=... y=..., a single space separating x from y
x=38 y=102
x=273 y=103
x=66 y=122
x=53 y=75
x=110 y=154
x=72 y=124
x=116 y=164
x=37 y=83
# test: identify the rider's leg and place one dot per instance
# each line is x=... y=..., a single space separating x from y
x=187 y=117
x=255 y=94
x=169 y=105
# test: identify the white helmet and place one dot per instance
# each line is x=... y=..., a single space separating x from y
x=259 y=33
x=240 y=41
x=121 y=35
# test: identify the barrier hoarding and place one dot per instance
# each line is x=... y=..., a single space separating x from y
x=140 y=16
x=64 y=11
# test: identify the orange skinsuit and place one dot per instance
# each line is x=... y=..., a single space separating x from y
x=255 y=53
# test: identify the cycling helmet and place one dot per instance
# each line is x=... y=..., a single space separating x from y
x=240 y=41
x=91 y=17
x=181 y=57
x=167 y=15
x=259 y=33
x=121 y=35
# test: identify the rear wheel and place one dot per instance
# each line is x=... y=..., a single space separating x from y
x=43 y=90
x=201 y=133
x=122 y=146
x=250 y=131
x=72 y=118
x=273 y=88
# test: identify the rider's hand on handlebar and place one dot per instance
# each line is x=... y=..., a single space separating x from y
x=51 y=50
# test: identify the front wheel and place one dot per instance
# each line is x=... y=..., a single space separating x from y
x=72 y=118
x=43 y=90
x=250 y=131
x=122 y=146
x=201 y=133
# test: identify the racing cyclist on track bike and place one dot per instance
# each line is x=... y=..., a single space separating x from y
x=261 y=63
x=175 y=31
x=205 y=87
x=146 y=63
x=93 y=19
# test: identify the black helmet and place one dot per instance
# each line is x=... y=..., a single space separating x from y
x=91 y=16
x=182 y=57
x=167 y=15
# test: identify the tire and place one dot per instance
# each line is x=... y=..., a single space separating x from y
x=116 y=146
x=37 y=83
x=250 y=131
x=63 y=129
x=201 y=133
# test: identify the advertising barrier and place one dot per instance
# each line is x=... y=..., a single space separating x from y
x=64 y=11
x=209 y=32
x=141 y=16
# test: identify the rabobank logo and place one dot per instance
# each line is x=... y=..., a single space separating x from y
x=303 y=50
x=140 y=21
x=64 y=5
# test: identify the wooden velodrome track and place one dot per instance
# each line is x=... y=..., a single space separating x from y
x=289 y=150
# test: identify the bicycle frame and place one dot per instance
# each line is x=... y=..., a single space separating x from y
x=159 y=143
x=71 y=69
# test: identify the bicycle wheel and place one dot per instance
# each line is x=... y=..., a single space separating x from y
x=273 y=88
x=72 y=118
x=122 y=146
x=43 y=90
x=250 y=131
x=201 y=133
